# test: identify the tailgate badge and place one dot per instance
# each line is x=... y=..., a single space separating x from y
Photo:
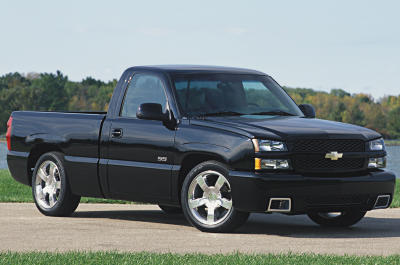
x=334 y=155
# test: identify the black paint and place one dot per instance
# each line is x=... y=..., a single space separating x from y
x=134 y=159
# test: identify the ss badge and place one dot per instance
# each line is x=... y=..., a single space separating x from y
x=162 y=159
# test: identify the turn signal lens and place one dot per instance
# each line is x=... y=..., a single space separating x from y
x=271 y=164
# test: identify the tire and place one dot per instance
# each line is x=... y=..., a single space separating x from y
x=210 y=208
x=50 y=187
x=170 y=209
x=343 y=219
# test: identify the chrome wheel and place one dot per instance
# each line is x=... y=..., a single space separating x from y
x=47 y=184
x=209 y=198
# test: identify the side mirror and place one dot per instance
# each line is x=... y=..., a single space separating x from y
x=308 y=110
x=151 y=111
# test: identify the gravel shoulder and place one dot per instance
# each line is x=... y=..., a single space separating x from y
x=145 y=228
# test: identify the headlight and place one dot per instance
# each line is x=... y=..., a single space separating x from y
x=377 y=145
x=377 y=162
x=268 y=145
x=272 y=164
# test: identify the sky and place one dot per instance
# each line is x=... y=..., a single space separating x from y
x=352 y=45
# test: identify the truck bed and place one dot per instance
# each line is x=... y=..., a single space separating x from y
x=76 y=134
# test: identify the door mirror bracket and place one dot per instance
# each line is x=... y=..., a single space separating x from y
x=151 y=111
x=308 y=110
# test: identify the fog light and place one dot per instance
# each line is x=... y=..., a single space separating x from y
x=272 y=163
x=377 y=162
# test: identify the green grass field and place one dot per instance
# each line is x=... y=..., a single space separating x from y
x=12 y=191
x=392 y=142
x=88 y=258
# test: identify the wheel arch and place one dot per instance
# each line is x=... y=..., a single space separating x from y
x=192 y=159
x=36 y=152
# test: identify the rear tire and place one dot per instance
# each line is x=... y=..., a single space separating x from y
x=170 y=209
x=343 y=219
x=206 y=199
x=50 y=186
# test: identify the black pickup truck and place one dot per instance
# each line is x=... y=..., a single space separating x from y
x=215 y=143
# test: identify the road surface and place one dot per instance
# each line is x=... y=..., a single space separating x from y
x=146 y=228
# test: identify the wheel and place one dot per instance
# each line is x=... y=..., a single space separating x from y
x=337 y=219
x=206 y=199
x=50 y=187
x=170 y=209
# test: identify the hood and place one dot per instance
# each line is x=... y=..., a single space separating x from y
x=288 y=127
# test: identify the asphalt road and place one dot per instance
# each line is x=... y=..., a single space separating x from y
x=146 y=228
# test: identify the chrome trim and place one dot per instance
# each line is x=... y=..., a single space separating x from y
x=210 y=202
x=279 y=210
x=334 y=155
x=387 y=203
x=47 y=185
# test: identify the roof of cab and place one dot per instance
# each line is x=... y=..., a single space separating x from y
x=195 y=69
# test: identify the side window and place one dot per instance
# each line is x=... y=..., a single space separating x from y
x=143 y=88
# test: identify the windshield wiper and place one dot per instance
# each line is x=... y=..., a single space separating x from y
x=221 y=113
x=274 y=112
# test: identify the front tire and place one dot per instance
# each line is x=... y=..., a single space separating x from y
x=50 y=186
x=340 y=219
x=206 y=199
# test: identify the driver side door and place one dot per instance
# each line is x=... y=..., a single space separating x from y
x=140 y=151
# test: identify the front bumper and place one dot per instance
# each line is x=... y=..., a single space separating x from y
x=251 y=191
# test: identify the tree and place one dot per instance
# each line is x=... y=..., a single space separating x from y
x=339 y=93
x=54 y=92
x=48 y=92
x=393 y=123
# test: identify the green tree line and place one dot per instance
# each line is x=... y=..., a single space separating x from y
x=382 y=115
x=55 y=92
x=51 y=92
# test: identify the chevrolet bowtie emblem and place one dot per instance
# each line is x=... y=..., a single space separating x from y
x=334 y=155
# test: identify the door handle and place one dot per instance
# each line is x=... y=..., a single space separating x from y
x=116 y=133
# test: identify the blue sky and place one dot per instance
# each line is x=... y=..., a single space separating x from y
x=354 y=45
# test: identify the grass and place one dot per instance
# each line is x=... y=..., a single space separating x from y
x=88 y=258
x=396 y=197
x=392 y=142
x=13 y=191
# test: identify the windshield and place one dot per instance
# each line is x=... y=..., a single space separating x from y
x=230 y=95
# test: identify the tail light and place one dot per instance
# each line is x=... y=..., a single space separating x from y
x=8 y=135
